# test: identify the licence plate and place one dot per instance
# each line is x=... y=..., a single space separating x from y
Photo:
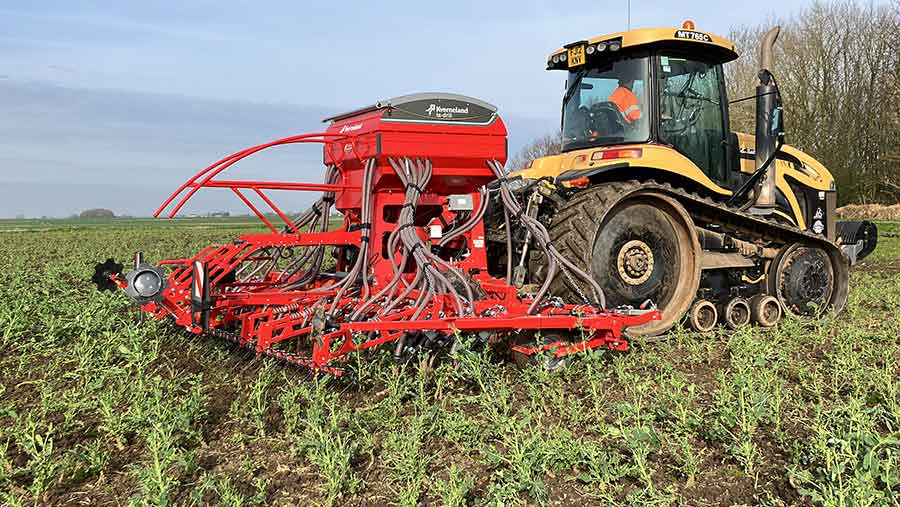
x=576 y=56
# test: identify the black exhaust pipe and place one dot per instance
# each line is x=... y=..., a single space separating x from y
x=768 y=125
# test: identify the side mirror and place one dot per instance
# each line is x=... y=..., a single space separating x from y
x=777 y=126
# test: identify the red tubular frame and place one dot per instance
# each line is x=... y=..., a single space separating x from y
x=206 y=176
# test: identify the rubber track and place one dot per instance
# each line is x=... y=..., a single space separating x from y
x=574 y=223
x=573 y=227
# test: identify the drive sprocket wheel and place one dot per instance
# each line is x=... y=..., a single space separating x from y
x=802 y=278
x=638 y=245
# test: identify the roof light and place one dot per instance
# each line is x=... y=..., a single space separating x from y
x=615 y=46
x=590 y=50
x=562 y=57
x=611 y=154
x=601 y=47
x=555 y=58
x=688 y=25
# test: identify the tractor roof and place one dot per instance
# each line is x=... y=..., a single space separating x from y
x=690 y=39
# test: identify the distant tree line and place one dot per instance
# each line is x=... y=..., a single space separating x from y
x=97 y=213
x=549 y=144
x=838 y=67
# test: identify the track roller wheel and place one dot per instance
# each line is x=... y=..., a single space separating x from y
x=765 y=309
x=736 y=313
x=703 y=316
x=638 y=245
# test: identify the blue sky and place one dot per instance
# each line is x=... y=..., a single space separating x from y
x=97 y=95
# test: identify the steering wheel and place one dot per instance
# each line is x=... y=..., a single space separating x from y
x=610 y=112
x=687 y=119
x=578 y=124
x=603 y=119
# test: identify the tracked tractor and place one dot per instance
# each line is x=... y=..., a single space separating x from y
x=656 y=197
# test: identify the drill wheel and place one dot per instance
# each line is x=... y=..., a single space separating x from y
x=545 y=360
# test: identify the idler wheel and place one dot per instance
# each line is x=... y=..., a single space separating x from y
x=803 y=280
x=703 y=316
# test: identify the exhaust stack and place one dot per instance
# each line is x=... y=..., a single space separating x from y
x=768 y=124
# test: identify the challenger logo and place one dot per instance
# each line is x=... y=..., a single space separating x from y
x=689 y=35
x=817 y=225
x=437 y=111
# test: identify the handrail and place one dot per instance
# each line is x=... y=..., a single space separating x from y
x=277 y=185
x=221 y=165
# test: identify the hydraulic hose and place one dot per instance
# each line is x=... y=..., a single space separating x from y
x=539 y=233
x=362 y=257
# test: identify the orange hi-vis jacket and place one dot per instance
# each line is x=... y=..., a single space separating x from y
x=627 y=103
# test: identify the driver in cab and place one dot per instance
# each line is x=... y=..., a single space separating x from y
x=626 y=101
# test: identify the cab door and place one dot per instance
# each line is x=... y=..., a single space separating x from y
x=693 y=111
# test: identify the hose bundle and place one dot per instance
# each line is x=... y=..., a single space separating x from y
x=433 y=276
x=539 y=233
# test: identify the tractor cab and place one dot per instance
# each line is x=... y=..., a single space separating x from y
x=660 y=85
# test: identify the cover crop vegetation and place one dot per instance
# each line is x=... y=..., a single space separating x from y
x=98 y=408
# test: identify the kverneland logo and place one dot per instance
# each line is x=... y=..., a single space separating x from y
x=445 y=112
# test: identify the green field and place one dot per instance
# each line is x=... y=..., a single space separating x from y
x=70 y=224
x=97 y=408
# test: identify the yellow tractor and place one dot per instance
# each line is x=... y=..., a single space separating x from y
x=656 y=197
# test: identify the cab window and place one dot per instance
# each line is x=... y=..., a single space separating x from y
x=691 y=112
x=607 y=103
